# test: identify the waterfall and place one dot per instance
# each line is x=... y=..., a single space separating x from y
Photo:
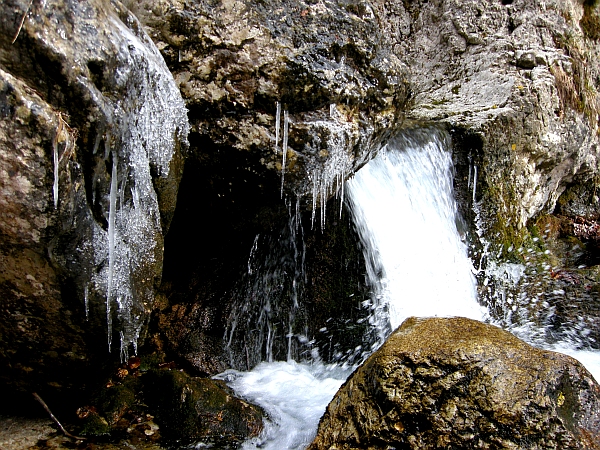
x=403 y=206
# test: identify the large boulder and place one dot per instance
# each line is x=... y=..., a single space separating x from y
x=459 y=383
x=92 y=129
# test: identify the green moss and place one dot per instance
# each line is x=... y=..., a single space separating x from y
x=577 y=91
x=95 y=425
x=189 y=408
x=114 y=401
x=590 y=22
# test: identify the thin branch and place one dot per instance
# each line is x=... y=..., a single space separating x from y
x=22 y=22
x=39 y=399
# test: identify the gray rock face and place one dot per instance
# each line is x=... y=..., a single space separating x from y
x=327 y=64
x=520 y=79
x=458 y=383
x=92 y=126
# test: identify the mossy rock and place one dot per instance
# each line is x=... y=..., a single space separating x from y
x=191 y=409
x=94 y=425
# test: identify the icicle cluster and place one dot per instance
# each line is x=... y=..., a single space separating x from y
x=332 y=161
x=144 y=128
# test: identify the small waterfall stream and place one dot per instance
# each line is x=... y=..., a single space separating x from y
x=403 y=206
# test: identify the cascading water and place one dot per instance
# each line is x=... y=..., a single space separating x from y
x=403 y=206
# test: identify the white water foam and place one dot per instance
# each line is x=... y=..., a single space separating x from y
x=294 y=395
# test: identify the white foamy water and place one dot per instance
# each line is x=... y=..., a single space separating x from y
x=294 y=395
x=403 y=205
x=589 y=358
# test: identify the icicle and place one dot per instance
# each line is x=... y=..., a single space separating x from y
x=252 y=252
x=286 y=123
x=111 y=245
x=86 y=302
x=342 y=195
x=314 y=200
x=474 y=182
x=124 y=348
x=55 y=186
x=469 y=178
x=277 y=125
x=323 y=204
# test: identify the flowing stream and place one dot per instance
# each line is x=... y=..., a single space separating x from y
x=403 y=206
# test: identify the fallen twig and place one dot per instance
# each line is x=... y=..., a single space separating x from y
x=39 y=399
x=22 y=22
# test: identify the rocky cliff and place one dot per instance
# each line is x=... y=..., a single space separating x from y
x=89 y=182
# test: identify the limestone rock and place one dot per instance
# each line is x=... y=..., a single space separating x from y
x=517 y=83
x=459 y=383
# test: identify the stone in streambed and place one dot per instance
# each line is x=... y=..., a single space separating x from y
x=459 y=383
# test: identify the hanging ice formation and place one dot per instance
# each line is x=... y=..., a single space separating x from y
x=145 y=127
x=331 y=159
x=286 y=126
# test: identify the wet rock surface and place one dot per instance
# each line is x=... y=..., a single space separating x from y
x=89 y=182
x=328 y=64
x=439 y=383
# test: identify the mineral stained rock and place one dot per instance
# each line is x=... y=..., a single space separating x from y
x=459 y=383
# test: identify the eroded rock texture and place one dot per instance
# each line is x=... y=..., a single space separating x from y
x=327 y=63
x=458 y=383
x=520 y=79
